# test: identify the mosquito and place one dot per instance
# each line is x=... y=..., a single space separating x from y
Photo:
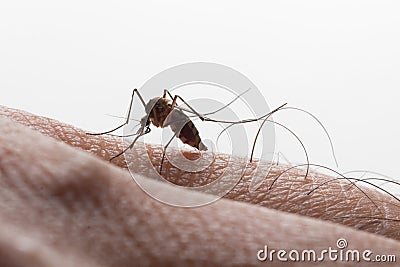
x=163 y=112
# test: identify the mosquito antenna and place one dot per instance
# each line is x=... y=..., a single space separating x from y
x=128 y=116
x=107 y=132
x=120 y=117
x=128 y=135
x=323 y=127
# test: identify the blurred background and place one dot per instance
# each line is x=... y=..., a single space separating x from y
x=79 y=60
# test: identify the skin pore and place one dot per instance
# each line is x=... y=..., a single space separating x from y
x=60 y=203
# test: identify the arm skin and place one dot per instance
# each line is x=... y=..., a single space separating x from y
x=61 y=203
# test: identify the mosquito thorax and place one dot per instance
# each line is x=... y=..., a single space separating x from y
x=151 y=104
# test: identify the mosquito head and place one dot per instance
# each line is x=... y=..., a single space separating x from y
x=145 y=121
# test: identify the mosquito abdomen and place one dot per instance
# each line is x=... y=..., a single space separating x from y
x=188 y=133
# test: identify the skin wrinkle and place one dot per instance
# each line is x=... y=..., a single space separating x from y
x=131 y=229
x=288 y=194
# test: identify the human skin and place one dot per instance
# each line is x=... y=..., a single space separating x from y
x=61 y=204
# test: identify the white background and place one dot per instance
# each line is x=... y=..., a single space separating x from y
x=79 y=60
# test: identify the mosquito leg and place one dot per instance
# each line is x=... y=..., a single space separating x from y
x=169 y=94
x=212 y=112
x=132 y=144
x=129 y=113
x=248 y=120
x=164 y=152
x=175 y=98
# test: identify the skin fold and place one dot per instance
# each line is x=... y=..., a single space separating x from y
x=61 y=204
